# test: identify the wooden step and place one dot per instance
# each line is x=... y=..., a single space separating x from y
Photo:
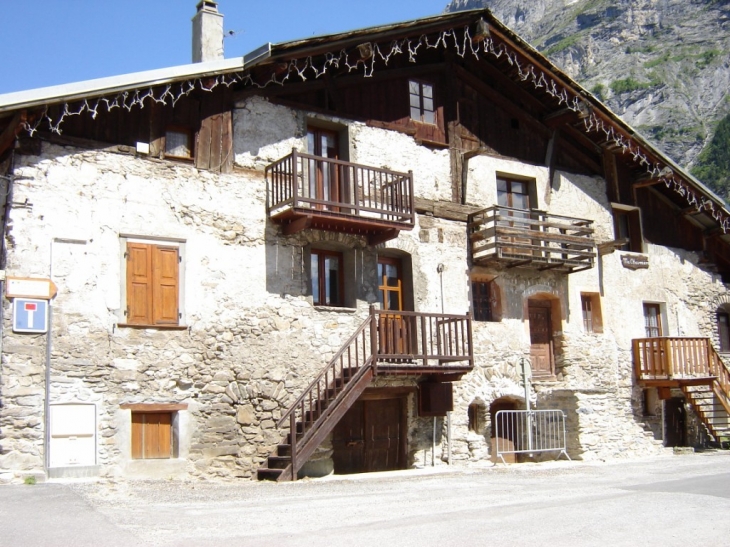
x=283 y=450
x=266 y=474
x=278 y=462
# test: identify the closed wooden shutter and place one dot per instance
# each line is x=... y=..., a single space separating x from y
x=165 y=285
x=151 y=435
x=152 y=284
x=139 y=284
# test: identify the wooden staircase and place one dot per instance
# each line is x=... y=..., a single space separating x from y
x=386 y=343
x=692 y=365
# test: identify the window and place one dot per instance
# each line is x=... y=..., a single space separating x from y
x=151 y=435
x=152 y=284
x=475 y=414
x=723 y=330
x=627 y=226
x=179 y=143
x=652 y=320
x=421 y=101
x=513 y=193
x=390 y=284
x=590 y=304
x=485 y=300
x=327 y=276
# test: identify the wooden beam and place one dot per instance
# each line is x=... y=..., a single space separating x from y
x=566 y=116
x=647 y=182
x=297 y=225
x=445 y=209
x=7 y=137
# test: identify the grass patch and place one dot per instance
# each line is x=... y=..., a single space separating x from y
x=29 y=480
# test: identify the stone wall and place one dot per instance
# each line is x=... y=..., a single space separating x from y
x=253 y=340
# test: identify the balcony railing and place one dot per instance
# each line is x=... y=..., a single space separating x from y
x=678 y=359
x=306 y=191
x=533 y=239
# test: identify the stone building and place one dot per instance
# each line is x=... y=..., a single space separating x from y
x=422 y=222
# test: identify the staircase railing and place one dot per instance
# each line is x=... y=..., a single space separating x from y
x=404 y=338
x=721 y=386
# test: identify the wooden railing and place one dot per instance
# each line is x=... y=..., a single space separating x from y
x=531 y=238
x=678 y=358
x=338 y=187
x=408 y=338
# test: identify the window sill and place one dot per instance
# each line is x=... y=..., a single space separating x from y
x=155 y=327
x=341 y=309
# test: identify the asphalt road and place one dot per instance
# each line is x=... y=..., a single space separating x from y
x=675 y=500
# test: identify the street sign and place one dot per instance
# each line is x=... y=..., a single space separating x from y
x=30 y=315
x=30 y=287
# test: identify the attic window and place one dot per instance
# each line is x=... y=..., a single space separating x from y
x=421 y=101
x=179 y=143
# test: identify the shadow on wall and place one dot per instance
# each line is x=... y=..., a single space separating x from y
x=565 y=400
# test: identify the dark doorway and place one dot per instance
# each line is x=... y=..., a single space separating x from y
x=541 y=337
x=675 y=420
x=371 y=437
x=507 y=433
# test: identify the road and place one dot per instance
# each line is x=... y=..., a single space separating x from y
x=674 y=500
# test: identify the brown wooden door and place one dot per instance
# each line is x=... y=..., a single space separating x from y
x=541 y=338
x=324 y=184
x=369 y=437
x=394 y=336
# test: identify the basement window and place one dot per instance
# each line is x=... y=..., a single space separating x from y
x=179 y=143
x=154 y=430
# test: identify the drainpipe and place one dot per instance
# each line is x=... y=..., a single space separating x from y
x=526 y=373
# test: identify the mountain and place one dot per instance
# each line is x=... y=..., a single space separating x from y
x=662 y=65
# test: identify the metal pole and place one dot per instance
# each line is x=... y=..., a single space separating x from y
x=526 y=371
x=433 y=444
x=448 y=431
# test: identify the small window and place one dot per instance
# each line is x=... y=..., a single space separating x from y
x=151 y=435
x=475 y=414
x=152 y=284
x=485 y=300
x=178 y=143
x=652 y=320
x=590 y=304
x=421 y=101
x=627 y=226
x=723 y=330
x=327 y=278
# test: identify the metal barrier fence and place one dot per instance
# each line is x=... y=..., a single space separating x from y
x=529 y=431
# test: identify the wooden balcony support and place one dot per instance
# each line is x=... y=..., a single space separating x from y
x=305 y=191
x=531 y=239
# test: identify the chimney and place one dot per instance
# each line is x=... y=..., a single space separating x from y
x=207 y=32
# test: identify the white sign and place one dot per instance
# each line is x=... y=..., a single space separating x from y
x=28 y=287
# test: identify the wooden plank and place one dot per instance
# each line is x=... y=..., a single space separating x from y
x=154 y=407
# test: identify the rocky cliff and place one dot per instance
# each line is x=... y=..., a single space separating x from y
x=663 y=65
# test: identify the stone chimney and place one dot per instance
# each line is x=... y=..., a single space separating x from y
x=207 y=33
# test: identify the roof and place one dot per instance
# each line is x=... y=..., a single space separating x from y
x=271 y=53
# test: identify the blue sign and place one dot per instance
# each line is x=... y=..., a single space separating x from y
x=30 y=315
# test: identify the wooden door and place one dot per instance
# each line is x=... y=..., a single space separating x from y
x=394 y=336
x=674 y=422
x=323 y=176
x=541 y=338
x=515 y=195
x=369 y=437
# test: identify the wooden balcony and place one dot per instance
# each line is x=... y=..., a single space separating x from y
x=531 y=239
x=677 y=361
x=305 y=191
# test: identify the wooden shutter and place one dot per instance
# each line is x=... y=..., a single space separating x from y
x=139 y=284
x=151 y=435
x=165 y=285
x=153 y=284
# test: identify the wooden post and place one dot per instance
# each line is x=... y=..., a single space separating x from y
x=374 y=339
x=293 y=435
x=294 y=178
x=668 y=356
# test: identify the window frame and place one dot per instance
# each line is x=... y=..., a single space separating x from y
x=421 y=98
x=492 y=314
x=182 y=129
x=124 y=309
x=322 y=277
x=630 y=228
x=594 y=323
x=659 y=322
x=723 y=341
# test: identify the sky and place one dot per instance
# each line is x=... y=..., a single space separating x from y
x=51 y=42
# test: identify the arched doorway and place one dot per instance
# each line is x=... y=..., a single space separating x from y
x=501 y=434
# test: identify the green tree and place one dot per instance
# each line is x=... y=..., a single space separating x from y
x=713 y=163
